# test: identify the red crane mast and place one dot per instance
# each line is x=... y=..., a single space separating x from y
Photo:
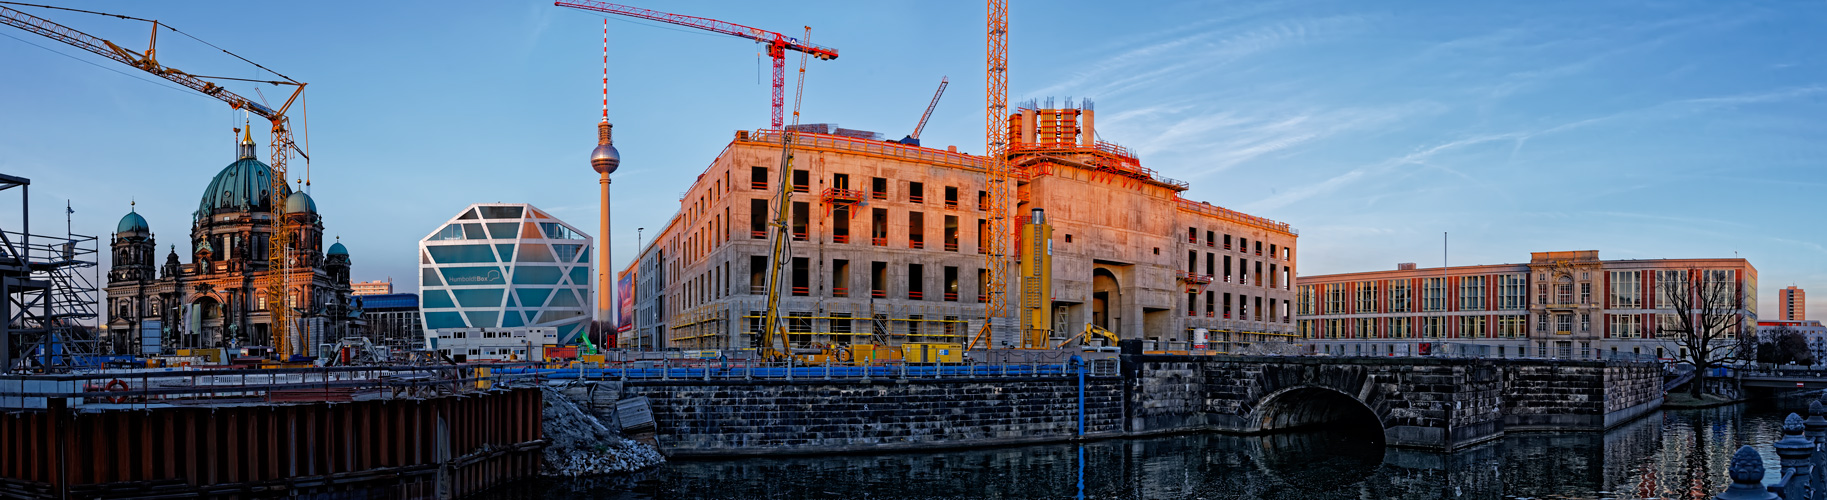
x=778 y=44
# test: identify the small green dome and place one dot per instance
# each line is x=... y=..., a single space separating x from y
x=337 y=249
x=299 y=202
x=132 y=222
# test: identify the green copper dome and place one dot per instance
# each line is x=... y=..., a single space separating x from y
x=299 y=202
x=337 y=249
x=244 y=186
x=132 y=222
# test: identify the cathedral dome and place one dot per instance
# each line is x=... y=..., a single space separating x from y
x=299 y=202
x=337 y=249
x=244 y=186
x=132 y=222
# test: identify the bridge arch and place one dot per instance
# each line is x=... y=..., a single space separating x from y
x=1314 y=405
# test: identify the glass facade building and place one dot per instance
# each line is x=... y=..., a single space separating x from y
x=508 y=266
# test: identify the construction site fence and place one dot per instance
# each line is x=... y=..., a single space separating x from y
x=190 y=386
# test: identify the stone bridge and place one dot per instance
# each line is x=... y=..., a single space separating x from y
x=1435 y=403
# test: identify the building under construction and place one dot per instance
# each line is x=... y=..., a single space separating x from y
x=886 y=242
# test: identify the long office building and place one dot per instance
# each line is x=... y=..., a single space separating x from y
x=1558 y=305
x=887 y=242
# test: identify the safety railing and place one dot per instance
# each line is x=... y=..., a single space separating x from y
x=746 y=365
x=190 y=385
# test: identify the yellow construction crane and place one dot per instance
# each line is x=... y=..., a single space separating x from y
x=772 y=331
x=998 y=185
x=278 y=262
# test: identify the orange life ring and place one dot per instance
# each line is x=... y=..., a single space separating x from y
x=117 y=385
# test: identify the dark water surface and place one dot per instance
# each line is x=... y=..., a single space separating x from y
x=1679 y=454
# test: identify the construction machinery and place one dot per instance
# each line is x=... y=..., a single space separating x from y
x=777 y=44
x=998 y=184
x=277 y=282
x=914 y=139
x=1036 y=281
x=773 y=331
x=1090 y=331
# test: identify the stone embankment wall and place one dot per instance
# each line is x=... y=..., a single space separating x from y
x=736 y=417
x=1434 y=403
x=1441 y=403
x=1420 y=402
x=1578 y=395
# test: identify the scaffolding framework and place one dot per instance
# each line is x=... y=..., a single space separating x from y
x=49 y=302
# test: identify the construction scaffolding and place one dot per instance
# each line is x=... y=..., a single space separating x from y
x=50 y=294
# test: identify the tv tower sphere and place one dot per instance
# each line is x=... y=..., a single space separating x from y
x=605 y=158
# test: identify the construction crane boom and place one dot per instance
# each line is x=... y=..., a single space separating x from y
x=777 y=43
x=278 y=262
x=914 y=140
x=998 y=184
x=772 y=330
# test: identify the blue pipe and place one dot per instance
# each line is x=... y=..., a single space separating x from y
x=1081 y=395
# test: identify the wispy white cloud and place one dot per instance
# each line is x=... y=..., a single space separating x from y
x=1190 y=55
x=1337 y=182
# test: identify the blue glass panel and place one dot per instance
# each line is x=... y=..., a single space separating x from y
x=567 y=334
x=460 y=254
x=580 y=275
x=585 y=258
x=536 y=275
x=511 y=320
x=567 y=253
x=503 y=230
x=429 y=277
x=474 y=232
x=468 y=214
x=551 y=316
x=482 y=318
x=438 y=320
x=558 y=231
x=565 y=298
x=437 y=298
x=490 y=275
x=450 y=232
x=485 y=297
x=511 y=302
x=500 y=213
x=533 y=297
x=507 y=252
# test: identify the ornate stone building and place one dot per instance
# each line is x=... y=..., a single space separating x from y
x=218 y=299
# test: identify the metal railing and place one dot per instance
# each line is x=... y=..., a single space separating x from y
x=188 y=386
x=746 y=365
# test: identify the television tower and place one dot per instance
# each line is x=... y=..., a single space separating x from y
x=604 y=160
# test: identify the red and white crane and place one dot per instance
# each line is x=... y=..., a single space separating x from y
x=778 y=44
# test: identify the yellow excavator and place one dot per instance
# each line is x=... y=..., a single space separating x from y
x=1090 y=331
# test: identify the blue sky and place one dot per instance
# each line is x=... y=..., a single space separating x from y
x=1639 y=129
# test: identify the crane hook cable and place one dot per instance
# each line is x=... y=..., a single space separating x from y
x=166 y=26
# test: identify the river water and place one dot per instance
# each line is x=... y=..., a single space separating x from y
x=1678 y=454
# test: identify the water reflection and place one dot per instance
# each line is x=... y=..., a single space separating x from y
x=1670 y=454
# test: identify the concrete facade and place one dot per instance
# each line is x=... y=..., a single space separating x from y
x=888 y=241
x=1568 y=305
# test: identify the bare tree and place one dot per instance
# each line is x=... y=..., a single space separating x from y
x=1707 y=320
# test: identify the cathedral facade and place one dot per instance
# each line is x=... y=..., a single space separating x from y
x=218 y=299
